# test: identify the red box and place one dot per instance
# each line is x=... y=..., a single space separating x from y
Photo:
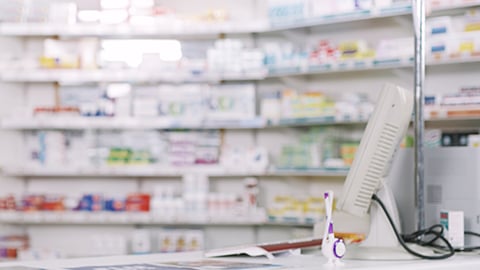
x=53 y=203
x=138 y=202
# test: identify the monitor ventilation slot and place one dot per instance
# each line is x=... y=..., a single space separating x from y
x=375 y=169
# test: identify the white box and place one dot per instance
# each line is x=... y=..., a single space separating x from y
x=454 y=227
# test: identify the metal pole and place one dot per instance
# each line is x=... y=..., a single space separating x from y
x=419 y=25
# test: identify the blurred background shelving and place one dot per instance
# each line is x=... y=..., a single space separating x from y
x=212 y=104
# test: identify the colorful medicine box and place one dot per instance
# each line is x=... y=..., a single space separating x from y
x=138 y=202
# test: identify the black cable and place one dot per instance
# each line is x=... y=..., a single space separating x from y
x=472 y=233
x=413 y=238
x=416 y=235
x=469 y=249
x=435 y=235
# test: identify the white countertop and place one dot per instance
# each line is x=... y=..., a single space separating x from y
x=316 y=261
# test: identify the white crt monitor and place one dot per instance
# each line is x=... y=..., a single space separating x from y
x=385 y=129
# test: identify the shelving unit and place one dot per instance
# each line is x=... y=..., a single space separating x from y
x=334 y=75
x=108 y=123
x=66 y=123
x=343 y=66
x=444 y=8
x=193 y=30
x=138 y=76
x=210 y=29
x=190 y=30
x=85 y=218
x=126 y=123
x=134 y=171
x=133 y=76
x=168 y=171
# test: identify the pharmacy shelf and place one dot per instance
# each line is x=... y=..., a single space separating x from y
x=134 y=76
x=255 y=123
x=352 y=16
x=441 y=8
x=456 y=123
x=124 y=218
x=315 y=121
x=161 y=123
x=139 y=76
x=315 y=172
x=464 y=59
x=158 y=123
x=129 y=171
x=208 y=30
x=365 y=65
x=127 y=218
x=393 y=11
x=178 y=30
x=192 y=30
x=342 y=66
x=292 y=221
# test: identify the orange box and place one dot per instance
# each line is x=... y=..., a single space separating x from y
x=138 y=202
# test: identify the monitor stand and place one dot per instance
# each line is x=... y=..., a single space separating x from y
x=381 y=242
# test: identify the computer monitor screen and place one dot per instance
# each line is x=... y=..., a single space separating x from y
x=385 y=129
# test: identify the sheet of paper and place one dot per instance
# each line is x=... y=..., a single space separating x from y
x=221 y=265
x=19 y=268
x=131 y=267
